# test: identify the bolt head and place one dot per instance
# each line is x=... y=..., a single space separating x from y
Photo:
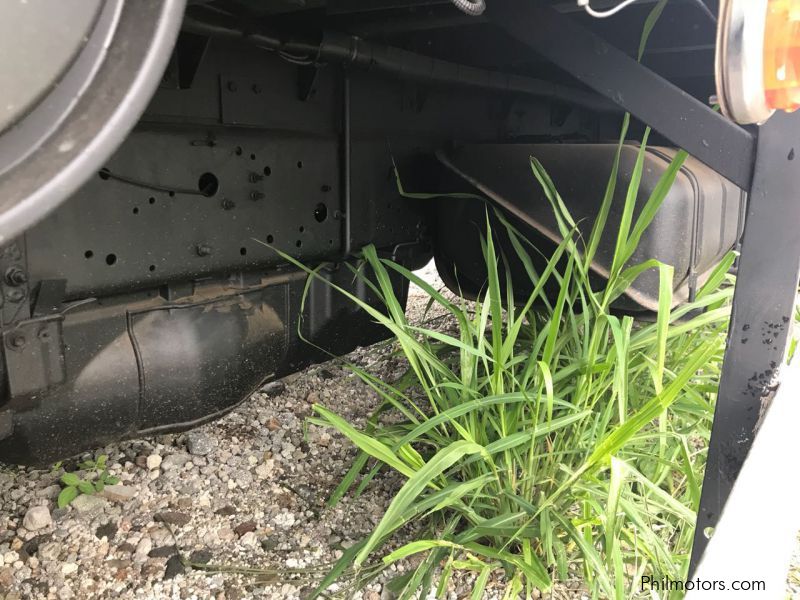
x=16 y=276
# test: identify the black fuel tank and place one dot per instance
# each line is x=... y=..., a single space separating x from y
x=700 y=220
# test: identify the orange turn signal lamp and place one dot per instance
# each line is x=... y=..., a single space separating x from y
x=758 y=58
x=782 y=55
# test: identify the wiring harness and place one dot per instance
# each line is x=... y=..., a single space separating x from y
x=602 y=14
x=476 y=7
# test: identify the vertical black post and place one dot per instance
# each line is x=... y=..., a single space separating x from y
x=761 y=321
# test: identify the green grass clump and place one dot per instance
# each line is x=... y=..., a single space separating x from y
x=545 y=433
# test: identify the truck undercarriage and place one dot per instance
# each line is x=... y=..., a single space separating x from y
x=153 y=298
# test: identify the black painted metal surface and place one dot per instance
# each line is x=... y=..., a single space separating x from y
x=761 y=322
x=153 y=362
x=681 y=118
x=695 y=227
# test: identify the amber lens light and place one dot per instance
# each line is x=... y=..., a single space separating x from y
x=782 y=55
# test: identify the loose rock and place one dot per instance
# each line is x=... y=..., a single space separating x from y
x=199 y=443
x=172 y=518
x=37 y=518
x=31 y=547
x=119 y=493
x=200 y=557
x=249 y=539
x=142 y=550
x=88 y=504
x=175 y=461
x=174 y=568
x=245 y=527
x=50 y=492
x=273 y=389
x=107 y=530
x=49 y=551
x=163 y=551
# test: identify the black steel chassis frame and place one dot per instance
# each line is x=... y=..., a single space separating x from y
x=759 y=162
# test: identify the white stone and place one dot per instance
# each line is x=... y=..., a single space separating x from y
x=68 y=568
x=284 y=519
x=142 y=550
x=88 y=504
x=36 y=518
x=49 y=551
x=174 y=461
x=153 y=461
x=119 y=493
x=226 y=534
x=266 y=469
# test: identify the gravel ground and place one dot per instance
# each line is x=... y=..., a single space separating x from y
x=245 y=491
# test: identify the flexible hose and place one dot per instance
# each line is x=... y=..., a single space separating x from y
x=473 y=8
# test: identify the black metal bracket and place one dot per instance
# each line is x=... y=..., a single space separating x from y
x=685 y=121
x=34 y=355
x=761 y=321
x=14 y=290
x=767 y=280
